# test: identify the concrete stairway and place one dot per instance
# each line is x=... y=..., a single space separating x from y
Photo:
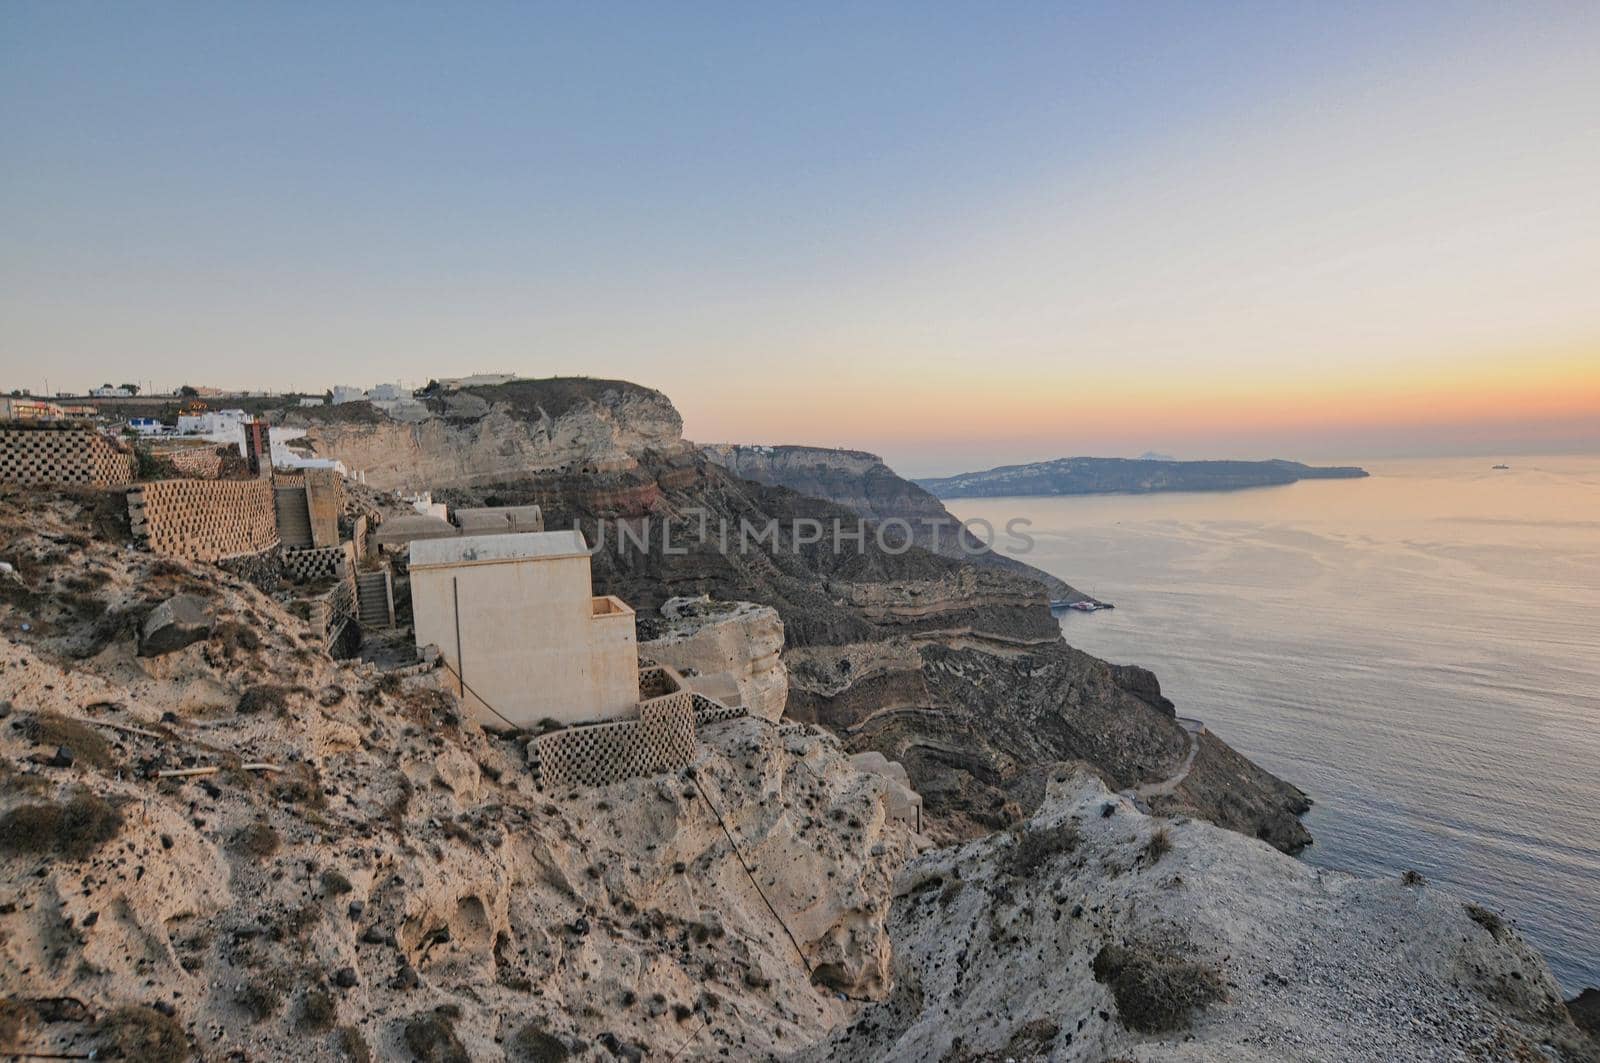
x=294 y=519
x=372 y=599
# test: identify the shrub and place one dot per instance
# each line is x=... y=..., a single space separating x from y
x=258 y=840
x=317 y=1010
x=432 y=1039
x=534 y=1044
x=232 y=633
x=1036 y=847
x=352 y=1045
x=1490 y=921
x=73 y=829
x=1159 y=845
x=51 y=729
x=1155 y=993
x=141 y=1035
x=1412 y=878
x=259 y=997
x=264 y=698
x=301 y=784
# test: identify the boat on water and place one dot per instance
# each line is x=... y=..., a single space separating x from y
x=1086 y=605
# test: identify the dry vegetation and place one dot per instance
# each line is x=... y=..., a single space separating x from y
x=73 y=829
x=1155 y=992
x=1037 y=846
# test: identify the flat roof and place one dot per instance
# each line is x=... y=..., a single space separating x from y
x=487 y=549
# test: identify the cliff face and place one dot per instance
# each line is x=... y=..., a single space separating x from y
x=863 y=483
x=486 y=435
x=955 y=668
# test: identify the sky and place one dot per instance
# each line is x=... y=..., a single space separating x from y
x=958 y=235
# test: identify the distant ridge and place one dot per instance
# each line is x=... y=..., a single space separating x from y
x=1096 y=476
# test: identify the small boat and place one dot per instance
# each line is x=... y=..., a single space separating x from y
x=1500 y=466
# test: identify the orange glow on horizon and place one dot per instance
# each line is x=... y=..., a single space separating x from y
x=945 y=406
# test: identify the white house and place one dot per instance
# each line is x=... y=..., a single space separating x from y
x=517 y=622
x=109 y=392
x=146 y=426
x=227 y=425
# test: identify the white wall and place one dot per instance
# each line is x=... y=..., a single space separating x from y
x=529 y=644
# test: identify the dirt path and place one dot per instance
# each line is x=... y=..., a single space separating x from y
x=1155 y=789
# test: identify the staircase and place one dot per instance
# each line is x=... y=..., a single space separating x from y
x=372 y=599
x=294 y=518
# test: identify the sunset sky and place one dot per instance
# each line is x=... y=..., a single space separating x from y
x=958 y=235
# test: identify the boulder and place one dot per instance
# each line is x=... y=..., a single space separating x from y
x=730 y=650
x=179 y=621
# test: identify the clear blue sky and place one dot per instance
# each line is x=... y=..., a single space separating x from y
x=917 y=228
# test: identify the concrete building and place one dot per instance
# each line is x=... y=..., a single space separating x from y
x=146 y=426
x=108 y=392
x=309 y=401
x=514 y=617
x=226 y=426
x=343 y=394
x=500 y=520
x=25 y=409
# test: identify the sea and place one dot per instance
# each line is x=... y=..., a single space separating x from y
x=1419 y=651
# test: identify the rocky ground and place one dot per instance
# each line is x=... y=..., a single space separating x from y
x=343 y=867
x=391 y=884
x=1094 y=932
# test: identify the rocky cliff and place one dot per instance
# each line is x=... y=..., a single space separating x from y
x=955 y=668
x=489 y=434
x=861 y=482
x=238 y=846
x=1093 y=932
x=217 y=842
x=739 y=643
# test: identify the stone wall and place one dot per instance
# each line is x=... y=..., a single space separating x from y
x=50 y=454
x=330 y=612
x=204 y=520
x=324 y=500
x=661 y=739
x=330 y=562
x=196 y=463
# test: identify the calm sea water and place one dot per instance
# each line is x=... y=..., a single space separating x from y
x=1419 y=651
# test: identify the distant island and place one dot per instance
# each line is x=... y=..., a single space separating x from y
x=1098 y=476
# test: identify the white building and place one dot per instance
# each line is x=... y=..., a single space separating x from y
x=147 y=426
x=388 y=393
x=307 y=401
x=515 y=619
x=109 y=392
x=343 y=394
x=224 y=424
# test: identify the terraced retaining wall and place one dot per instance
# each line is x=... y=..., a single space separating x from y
x=204 y=520
x=63 y=454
